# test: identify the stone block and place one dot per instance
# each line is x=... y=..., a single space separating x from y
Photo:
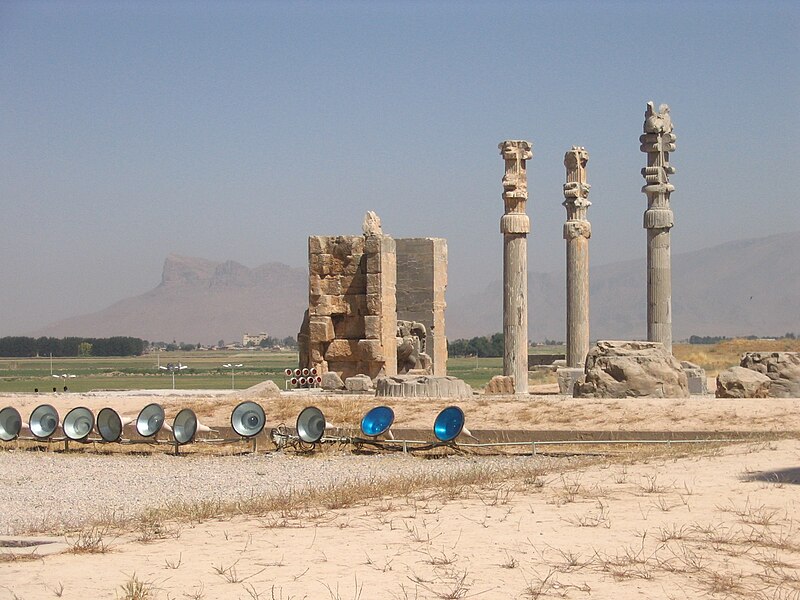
x=370 y=350
x=327 y=305
x=373 y=306
x=349 y=327
x=332 y=381
x=354 y=265
x=342 y=350
x=317 y=244
x=422 y=386
x=567 y=378
x=373 y=283
x=696 y=376
x=358 y=383
x=321 y=329
x=372 y=244
x=621 y=369
x=740 y=382
x=372 y=327
x=499 y=384
x=783 y=369
x=374 y=263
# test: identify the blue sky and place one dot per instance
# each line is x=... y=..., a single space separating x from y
x=233 y=130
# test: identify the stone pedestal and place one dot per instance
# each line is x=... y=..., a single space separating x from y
x=577 y=231
x=658 y=141
x=696 y=377
x=567 y=378
x=515 y=226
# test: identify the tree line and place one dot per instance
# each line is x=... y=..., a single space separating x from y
x=478 y=346
x=20 y=346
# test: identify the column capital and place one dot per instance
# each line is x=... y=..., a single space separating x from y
x=576 y=190
x=516 y=149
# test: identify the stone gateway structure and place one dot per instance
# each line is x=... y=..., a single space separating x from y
x=515 y=225
x=657 y=142
x=357 y=322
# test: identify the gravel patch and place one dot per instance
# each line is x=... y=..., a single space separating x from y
x=49 y=492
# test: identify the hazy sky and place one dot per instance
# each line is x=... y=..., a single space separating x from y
x=233 y=130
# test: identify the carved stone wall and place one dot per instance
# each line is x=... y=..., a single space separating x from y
x=352 y=318
x=358 y=288
x=421 y=284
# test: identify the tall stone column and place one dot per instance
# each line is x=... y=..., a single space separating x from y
x=658 y=141
x=515 y=226
x=577 y=231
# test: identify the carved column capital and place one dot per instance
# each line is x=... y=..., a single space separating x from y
x=657 y=141
x=576 y=190
x=515 y=180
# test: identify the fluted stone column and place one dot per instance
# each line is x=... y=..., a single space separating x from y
x=577 y=231
x=658 y=141
x=515 y=226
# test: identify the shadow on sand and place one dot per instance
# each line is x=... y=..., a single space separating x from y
x=791 y=475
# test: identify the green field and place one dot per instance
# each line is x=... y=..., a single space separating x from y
x=205 y=371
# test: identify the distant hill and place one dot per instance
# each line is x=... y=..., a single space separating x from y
x=200 y=301
x=739 y=288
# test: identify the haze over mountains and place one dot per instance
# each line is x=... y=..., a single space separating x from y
x=738 y=288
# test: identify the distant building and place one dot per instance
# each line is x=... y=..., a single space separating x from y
x=254 y=339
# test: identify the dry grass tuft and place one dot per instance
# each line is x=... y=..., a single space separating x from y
x=136 y=589
x=89 y=541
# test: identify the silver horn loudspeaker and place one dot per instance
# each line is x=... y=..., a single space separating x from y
x=185 y=426
x=150 y=420
x=43 y=421
x=10 y=424
x=311 y=425
x=110 y=425
x=78 y=424
x=248 y=419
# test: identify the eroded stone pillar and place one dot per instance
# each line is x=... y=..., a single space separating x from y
x=658 y=141
x=515 y=226
x=577 y=231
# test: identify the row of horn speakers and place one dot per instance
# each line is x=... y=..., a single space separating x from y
x=247 y=421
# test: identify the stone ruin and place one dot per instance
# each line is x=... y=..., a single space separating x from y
x=375 y=305
x=761 y=375
x=632 y=369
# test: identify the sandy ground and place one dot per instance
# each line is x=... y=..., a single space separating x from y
x=537 y=411
x=718 y=523
x=721 y=525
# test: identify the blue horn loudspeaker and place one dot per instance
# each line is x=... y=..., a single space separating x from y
x=449 y=424
x=377 y=421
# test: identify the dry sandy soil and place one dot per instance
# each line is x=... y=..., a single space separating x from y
x=706 y=521
x=538 y=411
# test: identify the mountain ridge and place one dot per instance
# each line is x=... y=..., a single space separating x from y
x=742 y=287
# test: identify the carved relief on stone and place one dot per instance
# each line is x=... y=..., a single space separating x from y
x=372 y=224
x=573 y=229
x=657 y=142
x=576 y=190
x=411 y=347
x=515 y=180
x=515 y=186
